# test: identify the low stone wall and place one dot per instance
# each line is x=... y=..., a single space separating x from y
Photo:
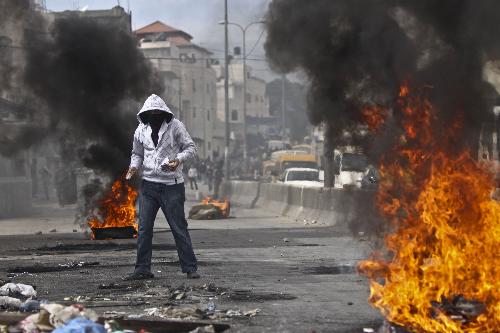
x=353 y=209
x=15 y=197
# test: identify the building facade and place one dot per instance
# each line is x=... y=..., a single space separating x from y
x=188 y=77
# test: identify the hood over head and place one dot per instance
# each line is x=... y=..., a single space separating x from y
x=154 y=102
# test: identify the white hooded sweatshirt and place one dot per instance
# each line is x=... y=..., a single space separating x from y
x=173 y=142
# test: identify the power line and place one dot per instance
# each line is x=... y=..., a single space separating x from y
x=257 y=42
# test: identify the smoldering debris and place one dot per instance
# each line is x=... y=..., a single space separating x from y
x=358 y=53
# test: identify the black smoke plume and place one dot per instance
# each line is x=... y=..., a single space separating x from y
x=89 y=78
x=358 y=52
x=84 y=72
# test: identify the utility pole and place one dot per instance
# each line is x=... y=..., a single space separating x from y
x=283 y=106
x=244 y=56
x=226 y=96
x=245 y=164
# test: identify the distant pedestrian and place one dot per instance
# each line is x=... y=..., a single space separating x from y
x=192 y=175
x=45 y=177
x=161 y=145
x=210 y=177
x=219 y=174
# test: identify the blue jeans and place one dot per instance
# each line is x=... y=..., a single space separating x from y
x=170 y=198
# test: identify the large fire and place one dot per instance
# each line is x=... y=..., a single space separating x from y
x=445 y=229
x=374 y=117
x=117 y=208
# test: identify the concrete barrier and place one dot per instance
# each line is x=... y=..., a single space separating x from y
x=352 y=210
x=15 y=197
x=241 y=193
x=273 y=198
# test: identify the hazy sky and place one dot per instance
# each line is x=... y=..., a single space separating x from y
x=199 y=18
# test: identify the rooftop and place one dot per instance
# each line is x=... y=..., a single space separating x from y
x=159 y=27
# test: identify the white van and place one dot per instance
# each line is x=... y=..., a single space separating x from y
x=350 y=169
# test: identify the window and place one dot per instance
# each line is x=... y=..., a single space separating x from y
x=234 y=115
x=208 y=115
x=194 y=85
x=194 y=112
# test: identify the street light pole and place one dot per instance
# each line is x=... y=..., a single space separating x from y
x=226 y=96
x=245 y=152
x=283 y=106
x=244 y=56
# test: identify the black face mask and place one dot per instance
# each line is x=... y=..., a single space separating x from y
x=155 y=120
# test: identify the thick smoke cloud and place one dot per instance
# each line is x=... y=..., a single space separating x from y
x=358 y=52
x=87 y=79
x=84 y=72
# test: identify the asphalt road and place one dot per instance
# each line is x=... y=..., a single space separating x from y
x=301 y=277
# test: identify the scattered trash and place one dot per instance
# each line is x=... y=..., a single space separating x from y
x=17 y=290
x=81 y=325
x=251 y=313
x=56 y=315
x=30 y=306
x=211 y=306
x=9 y=303
x=44 y=268
x=188 y=313
x=204 y=329
x=286 y=240
x=77 y=299
x=368 y=330
x=314 y=222
x=179 y=296
x=238 y=313
x=114 y=285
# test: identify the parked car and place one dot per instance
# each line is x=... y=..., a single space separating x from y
x=301 y=177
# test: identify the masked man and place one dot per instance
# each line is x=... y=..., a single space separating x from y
x=161 y=145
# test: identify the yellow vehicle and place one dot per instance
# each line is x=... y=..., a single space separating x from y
x=288 y=161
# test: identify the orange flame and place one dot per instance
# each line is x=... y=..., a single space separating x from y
x=445 y=229
x=117 y=208
x=374 y=117
x=223 y=205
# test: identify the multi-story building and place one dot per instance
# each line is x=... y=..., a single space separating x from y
x=116 y=16
x=258 y=120
x=189 y=80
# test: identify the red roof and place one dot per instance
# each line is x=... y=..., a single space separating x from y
x=158 y=27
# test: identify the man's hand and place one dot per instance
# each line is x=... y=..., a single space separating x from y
x=131 y=173
x=171 y=165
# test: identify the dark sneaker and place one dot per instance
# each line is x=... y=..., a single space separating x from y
x=193 y=275
x=138 y=276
